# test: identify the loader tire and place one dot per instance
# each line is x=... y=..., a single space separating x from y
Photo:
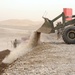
x=69 y=35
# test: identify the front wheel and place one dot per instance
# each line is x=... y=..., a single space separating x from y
x=69 y=35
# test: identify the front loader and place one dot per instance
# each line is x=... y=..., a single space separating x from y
x=67 y=25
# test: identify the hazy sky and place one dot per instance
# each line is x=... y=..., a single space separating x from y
x=33 y=9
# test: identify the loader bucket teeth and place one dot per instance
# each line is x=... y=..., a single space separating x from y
x=47 y=27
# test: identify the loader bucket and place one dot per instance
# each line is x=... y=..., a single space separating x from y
x=47 y=27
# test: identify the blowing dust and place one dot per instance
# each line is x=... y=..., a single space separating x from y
x=23 y=48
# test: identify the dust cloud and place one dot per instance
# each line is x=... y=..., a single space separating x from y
x=23 y=48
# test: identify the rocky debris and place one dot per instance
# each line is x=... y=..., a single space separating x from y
x=3 y=54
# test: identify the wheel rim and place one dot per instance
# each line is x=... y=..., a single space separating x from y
x=71 y=35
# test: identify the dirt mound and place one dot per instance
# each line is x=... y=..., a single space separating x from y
x=31 y=58
x=45 y=59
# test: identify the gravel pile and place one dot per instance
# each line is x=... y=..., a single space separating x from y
x=48 y=58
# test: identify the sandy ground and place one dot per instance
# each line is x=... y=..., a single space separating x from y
x=50 y=57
